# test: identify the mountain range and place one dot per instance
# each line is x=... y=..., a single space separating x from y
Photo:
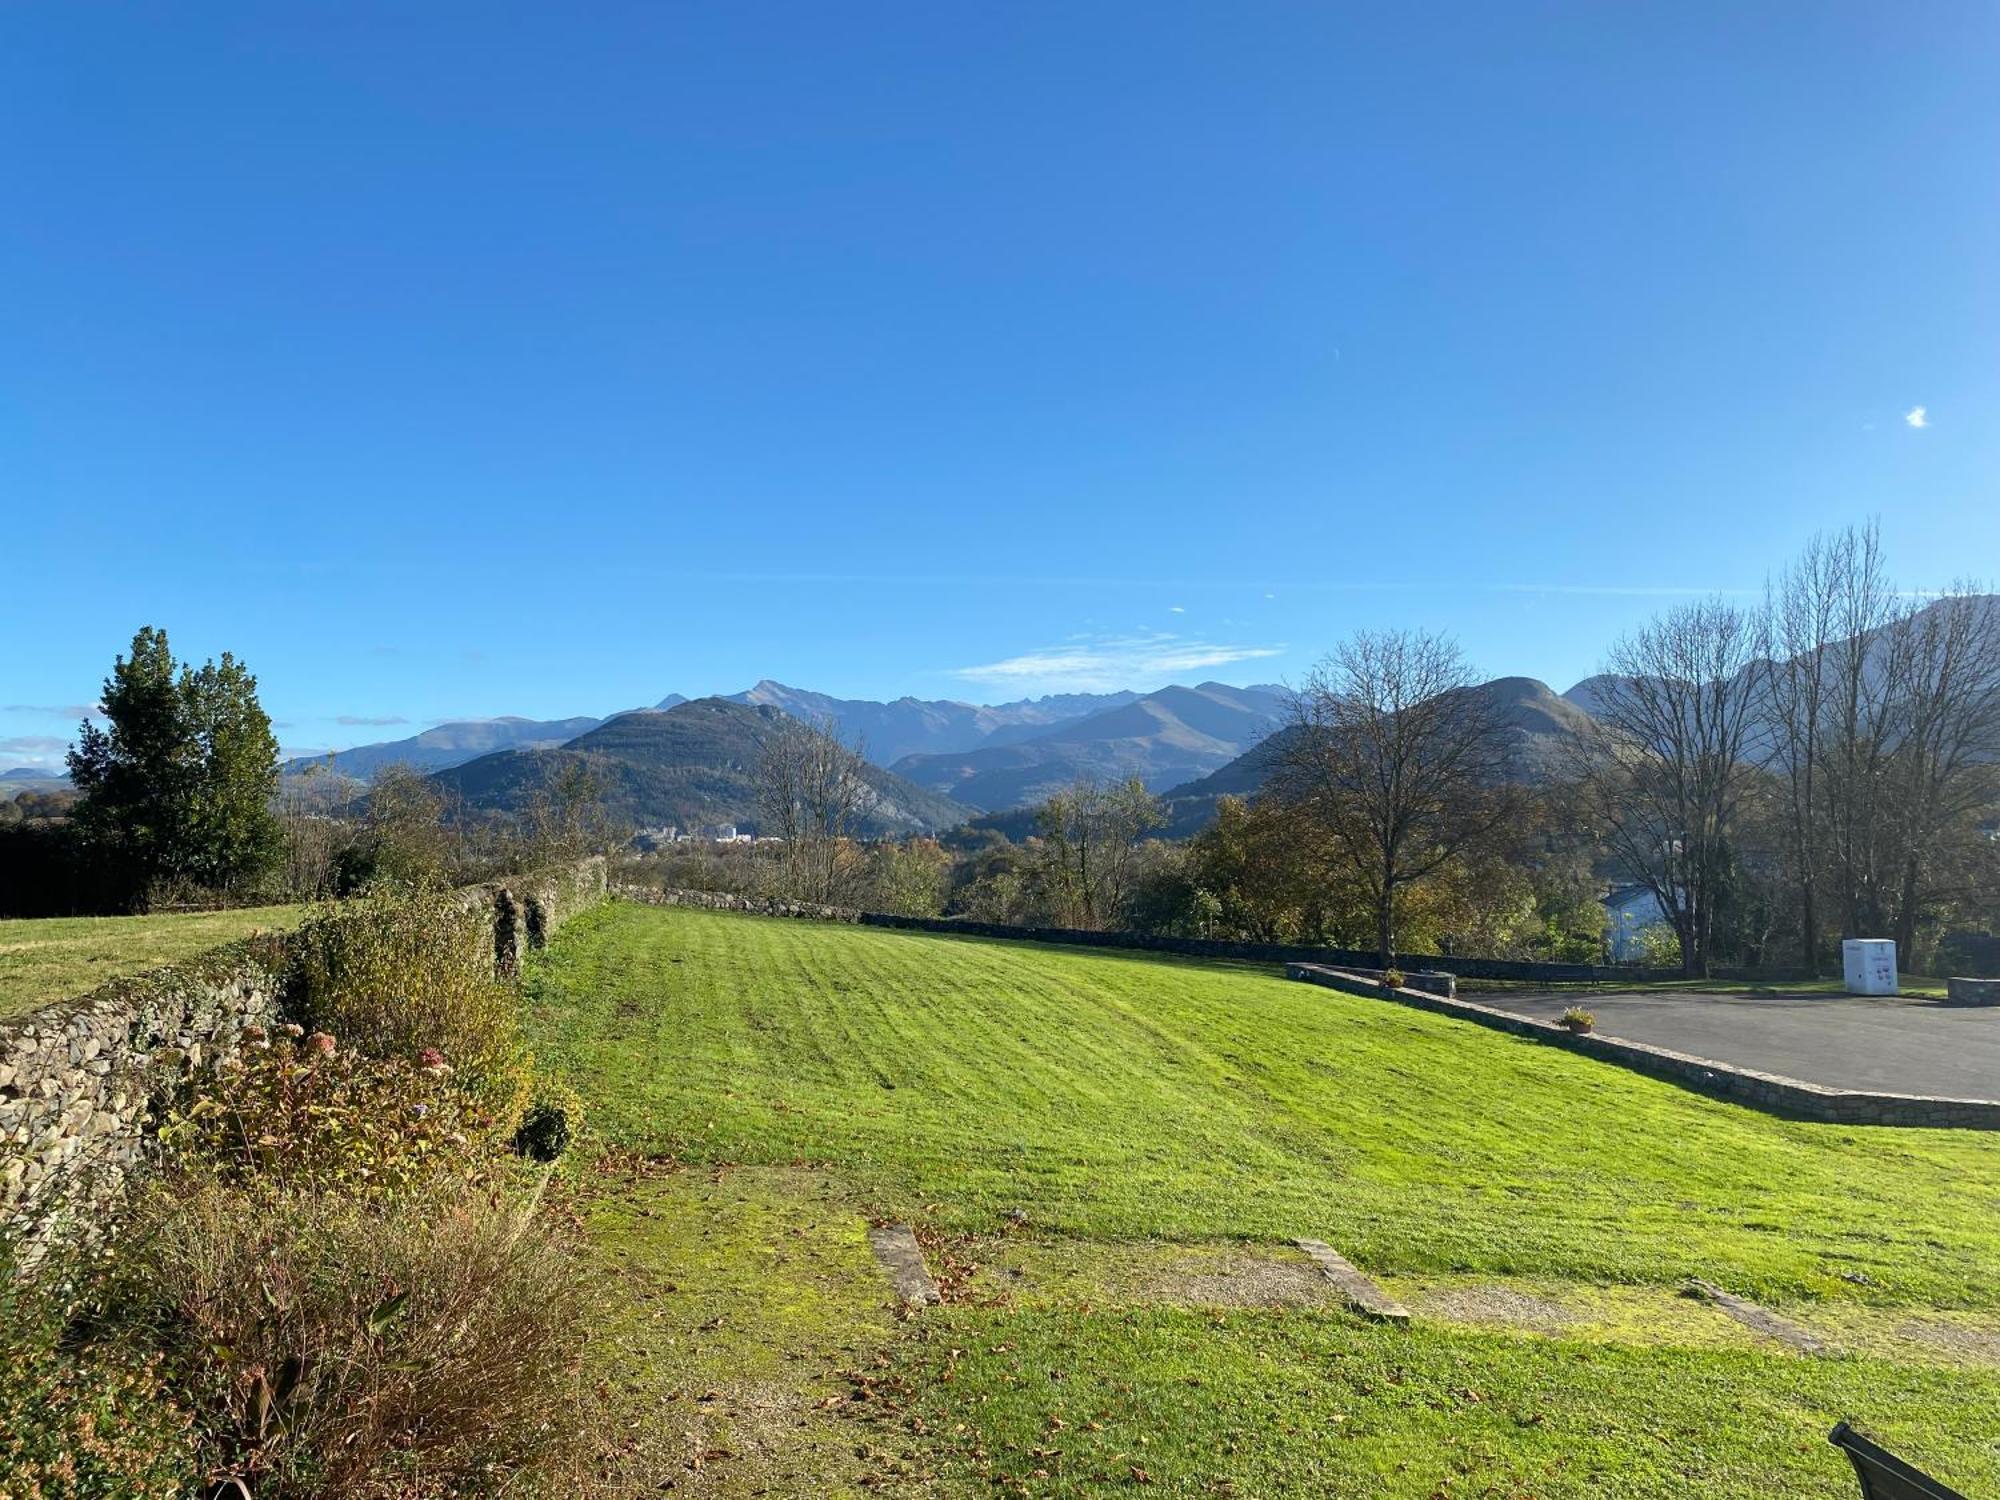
x=934 y=763
x=1163 y=738
x=884 y=733
x=446 y=745
x=690 y=766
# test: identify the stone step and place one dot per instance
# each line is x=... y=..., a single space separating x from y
x=896 y=1247
x=1757 y=1319
x=1361 y=1294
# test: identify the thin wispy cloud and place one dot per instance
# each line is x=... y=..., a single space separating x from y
x=1177 y=609
x=1098 y=664
x=51 y=710
x=1916 y=416
x=1618 y=590
x=32 y=744
x=368 y=721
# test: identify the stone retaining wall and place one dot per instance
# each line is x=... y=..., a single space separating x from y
x=1972 y=991
x=80 y=1079
x=1343 y=958
x=1768 y=1091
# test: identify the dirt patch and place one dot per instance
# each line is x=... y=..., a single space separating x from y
x=1241 y=1280
x=1148 y=1272
x=1961 y=1344
x=1483 y=1302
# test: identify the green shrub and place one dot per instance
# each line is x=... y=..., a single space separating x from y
x=428 y=1345
x=1576 y=1018
x=1659 y=946
x=299 y=1112
x=394 y=974
x=94 y=1423
x=1392 y=979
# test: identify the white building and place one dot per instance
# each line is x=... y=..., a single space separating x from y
x=1629 y=910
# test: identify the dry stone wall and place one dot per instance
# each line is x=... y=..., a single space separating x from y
x=81 y=1080
x=758 y=906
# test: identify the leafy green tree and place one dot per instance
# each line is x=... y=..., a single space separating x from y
x=179 y=785
x=1089 y=838
x=909 y=877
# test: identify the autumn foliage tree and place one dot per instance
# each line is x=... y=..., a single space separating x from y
x=1397 y=762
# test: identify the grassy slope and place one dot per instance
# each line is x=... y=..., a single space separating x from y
x=948 y=1081
x=1111 y=1096
x=58 y=957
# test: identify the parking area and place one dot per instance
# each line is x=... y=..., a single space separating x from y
x=1891 y=1044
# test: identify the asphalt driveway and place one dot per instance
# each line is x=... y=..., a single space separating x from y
x=1887 y=1044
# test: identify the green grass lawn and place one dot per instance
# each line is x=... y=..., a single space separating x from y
x=1135 y=1107
x=44 y=959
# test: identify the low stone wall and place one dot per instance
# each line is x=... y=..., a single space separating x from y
x=756 y=906
x=1972 y=991
x=1792 y=1097
x=1276 y=953
x=1368 y=982
x=524 y=911
x=80 y=1080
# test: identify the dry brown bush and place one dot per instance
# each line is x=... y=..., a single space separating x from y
x=431 y=1347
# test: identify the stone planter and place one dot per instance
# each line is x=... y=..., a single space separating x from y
x=1972 y=991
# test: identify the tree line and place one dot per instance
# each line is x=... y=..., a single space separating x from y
x=1775 y=774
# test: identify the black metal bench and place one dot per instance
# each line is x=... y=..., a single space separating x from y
x=1884 y=1476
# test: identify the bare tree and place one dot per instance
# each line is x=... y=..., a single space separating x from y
x=811 y=793
x=566 y=819
x=314 y=807
x=1943 y=772
x=1398 y=760
x=1665 y=782
x=1858 y=733
x=1883 y=726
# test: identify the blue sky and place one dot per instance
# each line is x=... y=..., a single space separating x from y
x=453 y=360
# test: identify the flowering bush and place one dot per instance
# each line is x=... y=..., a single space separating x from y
x=302 y=1111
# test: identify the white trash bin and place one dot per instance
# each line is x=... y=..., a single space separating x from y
x=1869 y=965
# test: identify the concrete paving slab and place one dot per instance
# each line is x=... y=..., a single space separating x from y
x=896 y=1248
